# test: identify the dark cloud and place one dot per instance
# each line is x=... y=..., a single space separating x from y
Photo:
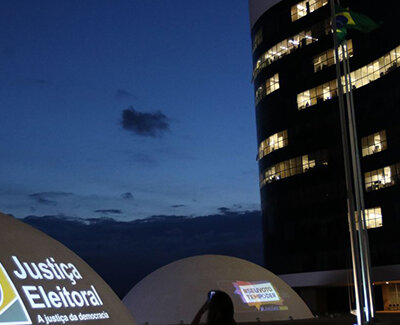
x=54 y=194
x=235 y=208
x=42 y=200
x=122 y=93
x=48 y=198
x=224 y=210
x=107 y=211
x=144 y=124
x=125 y=252
x=127 y=196
x=177 y=206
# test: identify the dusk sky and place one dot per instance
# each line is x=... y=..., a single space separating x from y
x=126 y=109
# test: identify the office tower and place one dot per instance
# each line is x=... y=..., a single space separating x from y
x=300 y=155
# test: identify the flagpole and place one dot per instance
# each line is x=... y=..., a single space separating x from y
x=349 y=186
x=363 y=232
x=357 y=182
x=359 y=193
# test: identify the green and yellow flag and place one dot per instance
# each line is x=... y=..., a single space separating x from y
x=347 y=19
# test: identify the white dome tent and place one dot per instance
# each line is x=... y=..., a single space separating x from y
x=174 y=293
x=43 y=282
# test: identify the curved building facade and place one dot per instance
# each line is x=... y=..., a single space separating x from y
x=300 y=157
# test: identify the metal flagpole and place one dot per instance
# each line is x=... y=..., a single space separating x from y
x=363 y=233
x=348 y=177
x=356 y=179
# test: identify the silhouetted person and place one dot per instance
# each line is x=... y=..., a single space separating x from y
x=220 y=309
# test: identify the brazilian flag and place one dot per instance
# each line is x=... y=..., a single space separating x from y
x=347 y=19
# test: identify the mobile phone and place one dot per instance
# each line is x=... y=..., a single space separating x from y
x=210 y=294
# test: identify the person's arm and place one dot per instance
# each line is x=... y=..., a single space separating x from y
x=202 y=310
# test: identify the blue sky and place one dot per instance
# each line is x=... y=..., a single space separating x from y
x=179 y=69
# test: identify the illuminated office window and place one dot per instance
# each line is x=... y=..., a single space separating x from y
x=376 y=69
x=304 y=99
x=359 y=78
x=373 y=217
x=290 y=44
x=304 y=8
x=327 y=58
x=270 y=86
x=382 y=177
x=316 y=95
x=258 y=38
x=294 y=166
x=373 y=143
x=274 y=142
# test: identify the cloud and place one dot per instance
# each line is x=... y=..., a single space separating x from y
x=48 y=198
x=144 y=124
x=42 y=200
x=107 y=211
x=122 y=93
x=224 y=210
x=127 y=196
x=235 y=208
x=177 y=206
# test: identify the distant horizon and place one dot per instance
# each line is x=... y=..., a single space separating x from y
x=222 y=212
x=123 y=252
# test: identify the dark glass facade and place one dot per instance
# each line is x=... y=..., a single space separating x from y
x=302 y=183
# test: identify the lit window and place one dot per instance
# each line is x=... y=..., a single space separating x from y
x=274 y=142
x=359 y=78
x=304 y=99
x=270 y=86
x=289 y=45
x=382 y=177
x=294 y=166
x=304 y=8
x=258 y=38
x=376 y=69
x=373 y=218
x=316 y=95
x=327 y=58
x=374 y=143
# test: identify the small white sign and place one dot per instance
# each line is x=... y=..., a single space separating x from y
x=259 y=293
